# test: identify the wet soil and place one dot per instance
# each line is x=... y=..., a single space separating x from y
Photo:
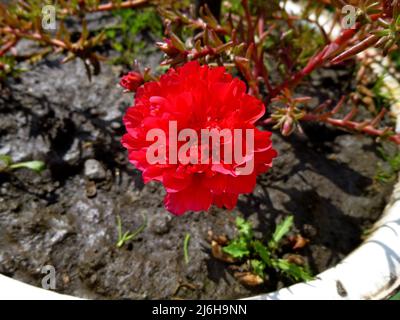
x=66 y=217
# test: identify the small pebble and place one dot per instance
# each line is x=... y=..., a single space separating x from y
x=160 y=223
x=94 y=170
x=91 y=189
x=115 y=125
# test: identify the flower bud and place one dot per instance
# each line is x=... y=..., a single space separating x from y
x=168 y=48
x=132 y=81
x=288 y=126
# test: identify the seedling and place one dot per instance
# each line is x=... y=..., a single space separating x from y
x=186 y=248
x=7 y=164
x=123 y=238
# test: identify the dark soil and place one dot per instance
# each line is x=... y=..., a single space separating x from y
x=324 y=177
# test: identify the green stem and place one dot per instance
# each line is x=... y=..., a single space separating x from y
x=186 y=248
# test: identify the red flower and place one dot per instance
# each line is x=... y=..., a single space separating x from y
x=197 y=97
x=131 y=81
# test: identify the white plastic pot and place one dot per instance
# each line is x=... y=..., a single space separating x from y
x=11 y=289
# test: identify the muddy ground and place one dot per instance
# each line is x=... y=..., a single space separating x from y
x=66 y=216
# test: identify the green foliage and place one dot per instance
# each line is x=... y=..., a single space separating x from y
x=395 y=297
x=245 y=228
x=292 y=270
x=239 y=247
x=5 y=160
x=304 y=33
x=36 y=166
x=7 y=164
x=296 y=54
x=232 y=7
x=263 y=252
x=123 y=36
x=382 y=98
x=258 y=267
x=262 y=257
x=267 y=8
x=395 y=57
x=281 y=230
x=393 y=162
x=186 y=248
x=123 y=238
x=23 y=20
x=8 y=67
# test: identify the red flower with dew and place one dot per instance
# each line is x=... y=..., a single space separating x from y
x=131 y=81
x=198 y=98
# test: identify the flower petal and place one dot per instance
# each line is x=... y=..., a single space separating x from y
x=193 y=198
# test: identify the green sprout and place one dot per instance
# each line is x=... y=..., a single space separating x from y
x=123 y=238
x=7 y=164
x=281 y=230
x=186 y=248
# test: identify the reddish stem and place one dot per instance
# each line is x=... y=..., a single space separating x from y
x=35 y=36
x=322 y=57
x=204 y=52
x=204 y=26
x=8 y=46
x=111 y=6
x=352 y=125
x=361 y=46
x=250 y=27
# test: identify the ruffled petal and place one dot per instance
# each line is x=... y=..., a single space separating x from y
x=225 y=200
x=194 y=198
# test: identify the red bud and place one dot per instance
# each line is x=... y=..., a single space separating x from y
x=132 y=81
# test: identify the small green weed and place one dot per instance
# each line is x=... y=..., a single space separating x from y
x=265 y=256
